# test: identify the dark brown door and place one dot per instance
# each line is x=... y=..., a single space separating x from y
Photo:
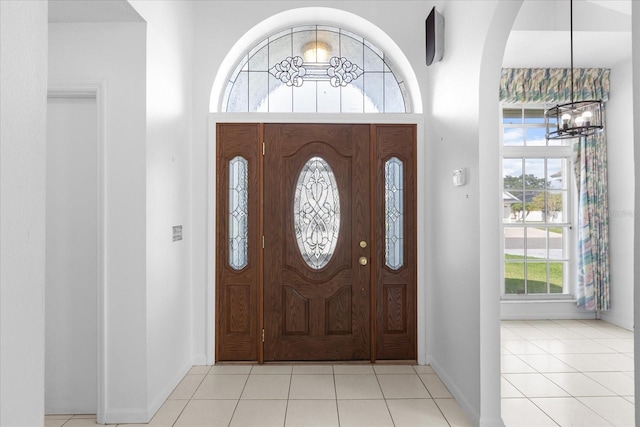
x=238 y=261
x=315 y=242
x=394 y=205
x=316 y=211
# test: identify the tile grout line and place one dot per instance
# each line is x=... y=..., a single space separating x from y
x=239 y=397
x=587 y=338
x=335 y=391
x=432 y=398
x=188 y=400
x=286 y=406
x=384 y=397
x=179 y=415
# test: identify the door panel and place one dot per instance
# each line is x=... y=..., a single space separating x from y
x=396 y=277
x=238 y=268
x=316 y=313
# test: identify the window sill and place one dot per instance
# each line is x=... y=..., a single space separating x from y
x=551 y=307
x=537 y=298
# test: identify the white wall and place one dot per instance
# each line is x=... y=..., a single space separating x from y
x=115 y=53
x=620 y=146
x=169 y=126
x=462 y=131
x=23 y=110
x=219 y=24
x=72 y=278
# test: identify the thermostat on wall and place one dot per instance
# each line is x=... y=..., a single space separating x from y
x=459 y=177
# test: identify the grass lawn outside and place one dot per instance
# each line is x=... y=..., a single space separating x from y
x=514 y=279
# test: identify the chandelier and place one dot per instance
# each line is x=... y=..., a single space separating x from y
x=576 y=118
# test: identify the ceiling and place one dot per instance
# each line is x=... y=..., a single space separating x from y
x=76 y=11
x=622 y=6
x=541 y=38
x=540 y=35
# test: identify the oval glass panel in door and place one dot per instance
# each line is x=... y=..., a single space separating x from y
x=238 y=212
x=316 y=213
x=394 y=213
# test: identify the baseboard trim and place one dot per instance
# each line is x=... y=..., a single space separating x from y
x=543 y=310
x=158 y=401
x=130 y=416
x=469 y=411
x=200 y=360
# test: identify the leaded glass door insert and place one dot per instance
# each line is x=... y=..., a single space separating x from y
x=316 y=213
x=394 y=213
x=238 y=212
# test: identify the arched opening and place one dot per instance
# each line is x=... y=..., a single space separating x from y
x=314 y=16
x=315 y=69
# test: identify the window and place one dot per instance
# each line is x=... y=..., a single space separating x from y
x=537 y=209
x=315 y=69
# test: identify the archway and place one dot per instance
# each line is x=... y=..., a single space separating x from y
x=314 y=16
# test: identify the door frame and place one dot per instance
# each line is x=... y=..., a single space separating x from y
x=97 y=90
x=421 y=211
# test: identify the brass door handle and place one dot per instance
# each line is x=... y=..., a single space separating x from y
x=363 y=260
x=363 y=244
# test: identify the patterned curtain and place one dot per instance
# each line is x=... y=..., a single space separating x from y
x=553 y=85
x=590 y=167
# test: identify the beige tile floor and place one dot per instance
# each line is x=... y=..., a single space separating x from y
x=554 y=373
x=567 y=373
x=302 y=395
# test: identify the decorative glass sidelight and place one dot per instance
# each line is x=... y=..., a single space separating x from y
x=394 y=213
x=316 y=213
x=238 y=213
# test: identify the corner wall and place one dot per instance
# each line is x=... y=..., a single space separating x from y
x=169 y=59
x=462 y=130
x=620 y=149
x=23 y=112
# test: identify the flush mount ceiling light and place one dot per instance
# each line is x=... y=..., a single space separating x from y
x=316 y=51
x=576 y=118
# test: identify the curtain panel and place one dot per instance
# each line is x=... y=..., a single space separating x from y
x=590 y=166
x=553 y=85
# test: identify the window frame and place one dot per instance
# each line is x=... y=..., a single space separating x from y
x=546 y=152
x=392 y=95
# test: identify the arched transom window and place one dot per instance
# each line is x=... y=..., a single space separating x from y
x=313 y=69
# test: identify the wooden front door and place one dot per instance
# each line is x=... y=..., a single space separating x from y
x=316 y=209
x=316 y=248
